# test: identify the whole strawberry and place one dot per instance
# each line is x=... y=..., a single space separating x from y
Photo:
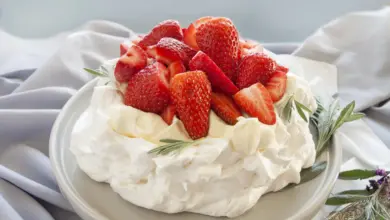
x=148 y=90
x=254 y=68
x=167 y=28
x=219 y=39
x=191 y=95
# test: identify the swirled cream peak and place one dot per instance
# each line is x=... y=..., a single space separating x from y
x=223 y=174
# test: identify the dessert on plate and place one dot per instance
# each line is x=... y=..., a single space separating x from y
x=193 y=119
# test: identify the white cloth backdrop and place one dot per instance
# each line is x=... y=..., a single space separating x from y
x=37 y=77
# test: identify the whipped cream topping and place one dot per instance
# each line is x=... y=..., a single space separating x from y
x=223 y=174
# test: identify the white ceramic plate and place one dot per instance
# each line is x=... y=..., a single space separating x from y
x=94 y=200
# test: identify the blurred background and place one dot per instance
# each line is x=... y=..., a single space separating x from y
x=266 y=21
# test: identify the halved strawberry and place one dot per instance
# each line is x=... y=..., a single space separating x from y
x=130 y=63
x=218 y=38
x=191 y=95
x=123 y=48
x=254 y=68
x=168 y=114
x=276 y=85
x=249 y=46
x=218 y=79
x=167 y=28
x=225 y=108
x=148 y=89
x=169 y=50
x=189 y=34
x=282 y=69
x=176 y=68
x=256 y=101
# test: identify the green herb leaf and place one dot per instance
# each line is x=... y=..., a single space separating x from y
x=171 y=146
x=287 y=110
x=356 y=174
x=96 y=73
x=301 y=113
x=354 y=116
x=312 y=172
x=302 y=106
x=344 y=114
x=345 y=199
x=361 y=192
x=169 y=141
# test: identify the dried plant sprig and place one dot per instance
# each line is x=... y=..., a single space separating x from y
x=171 y=145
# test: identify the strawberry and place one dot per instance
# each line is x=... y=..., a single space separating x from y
x=217 y=78
x=168 y=114
x=191 y=95
x=218 y=38
x=189 y=34
x=123 y=48
x=254 y=68
x=249 y=46
x=169 y=50
x=168 y=28
x=130 y=63
x=148 y=89
x=225 y=108
x=176 y=68
x=282 y=69
x=276 y=85
x=256 y=101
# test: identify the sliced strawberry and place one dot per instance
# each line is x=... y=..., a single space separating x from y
x=218 y=79
x=168 y=28
x=169 y=50
x=168 y=114
x=225 y=108
x=130 y=63
x=256 y=101
x=189 y=34
x=148 y=89
x=123 y=48
x=276 y=85
x=282 y=69
x=218 y=38
x=176 y=68
x=191 y=95
x=249 y=46
x=254 y=68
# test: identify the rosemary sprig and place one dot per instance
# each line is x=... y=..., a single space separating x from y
x=97 y=73
x=372 y=203
x=294 y=104
x=327 y=121
x=171 y=145
x=104 y=73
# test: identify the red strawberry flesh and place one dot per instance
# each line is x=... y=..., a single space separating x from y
x=191 y=95
x=254 y=68
x=225 y=108
x=176 y=68
x=218 y=38
x=169 y=50
x=130 y=63
x=168 y=28
x=218 y=79
x=189 y=34
x=148 y=89
x=168 y=114
x=256 y=101
x=276 y=85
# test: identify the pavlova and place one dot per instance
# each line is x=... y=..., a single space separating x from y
x=192 y=119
